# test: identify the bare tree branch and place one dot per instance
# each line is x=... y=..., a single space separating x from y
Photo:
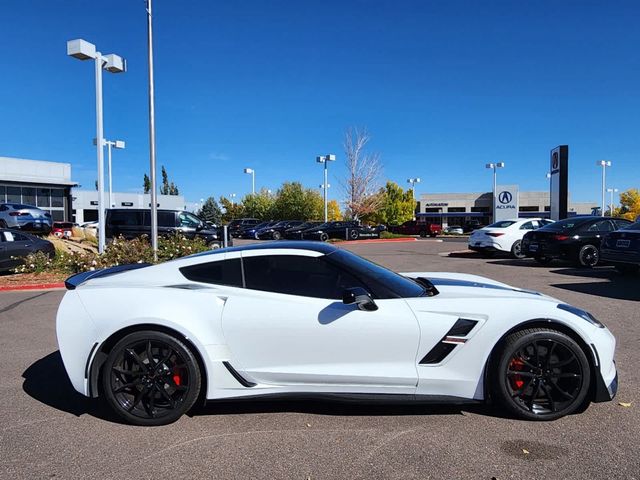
x=363 y=173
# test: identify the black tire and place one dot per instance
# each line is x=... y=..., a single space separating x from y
x=353 y=234
x=3 y=224
x=324 y=237
x=516 y=249
x=544 y=260
x=540 y=374
x=588 y=256
x=151 y=396
x=423 y=234
x=276 y=235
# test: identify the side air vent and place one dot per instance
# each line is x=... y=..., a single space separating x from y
x=455 y=336
x=241 y=380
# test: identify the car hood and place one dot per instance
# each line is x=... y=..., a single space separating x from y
x=462 y=285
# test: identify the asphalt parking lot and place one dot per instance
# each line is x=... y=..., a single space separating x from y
x=49 y=431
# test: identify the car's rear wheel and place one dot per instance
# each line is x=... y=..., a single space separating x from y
x=276 y=235
x=353 y=234
x=516 y=249
x=589 y=256
x=151 y=378
x=423 y=234
x=324 y=237
x=541 y=374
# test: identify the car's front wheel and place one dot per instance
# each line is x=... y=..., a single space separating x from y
x=540 y=374
x=276 y=235
x=324 y=237
x=151 y=378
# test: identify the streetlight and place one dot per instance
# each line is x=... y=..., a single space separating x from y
x=604 y=164
x=83 y=50
x=611 y=191
x=412 y=182
x=232 y=196
x=494 y=167
x=253 y=179
x=152 y=135
x=119 y=144
x=325 y=159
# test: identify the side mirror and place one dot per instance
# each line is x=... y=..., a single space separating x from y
x=360 y=297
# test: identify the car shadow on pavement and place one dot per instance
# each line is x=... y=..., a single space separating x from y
x=46 y=381
x=629 y=290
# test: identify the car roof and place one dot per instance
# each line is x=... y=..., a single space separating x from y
x=320 y=247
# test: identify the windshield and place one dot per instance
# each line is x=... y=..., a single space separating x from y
x=503 y=224
x=633 y=226
x=383 y=282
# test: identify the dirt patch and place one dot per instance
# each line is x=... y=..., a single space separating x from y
x=20 y=279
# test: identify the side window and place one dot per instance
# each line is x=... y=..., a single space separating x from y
x=621 y=224
x=119 y=218
x=600 y=226
x=527 y=226
x=167 y=219
x=185 y=219
x=222 y=272
x=297 y=275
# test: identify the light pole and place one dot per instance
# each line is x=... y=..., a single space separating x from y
x=611 y=191
x=494 y=167
x=119 y=144
x=152 y=136
x=412 y=182
x=253 y=179
x=325 y=159
x=83 y=50
x=604 y=164
x=232 y=196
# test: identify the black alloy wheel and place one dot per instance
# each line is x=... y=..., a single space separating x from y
x=423 y=234
x=353 y=234
x=276 y=235
x=516 y=249
x=151 y=378
x=541 y=375
x=589 y=256
x=324 y=237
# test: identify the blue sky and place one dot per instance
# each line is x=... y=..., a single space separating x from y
x=443 y=87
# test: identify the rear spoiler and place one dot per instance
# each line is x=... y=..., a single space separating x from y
x=79 y=278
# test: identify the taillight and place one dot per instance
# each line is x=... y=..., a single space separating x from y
x=560 y=238
x=495 y=234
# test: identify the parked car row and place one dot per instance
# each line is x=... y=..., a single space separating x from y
x=252 y=228
x=584 y=240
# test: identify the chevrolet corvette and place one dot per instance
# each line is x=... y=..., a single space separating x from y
x=308 y=319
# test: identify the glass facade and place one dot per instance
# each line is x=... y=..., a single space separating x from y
x=51 y=200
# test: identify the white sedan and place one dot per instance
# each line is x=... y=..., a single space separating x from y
x=505 y=236
x=305 y=319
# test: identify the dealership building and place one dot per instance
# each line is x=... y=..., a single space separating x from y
x=450 y=209
x=49 y=186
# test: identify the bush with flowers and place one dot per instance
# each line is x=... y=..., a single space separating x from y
x=118 y=252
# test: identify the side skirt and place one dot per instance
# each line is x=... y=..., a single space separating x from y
x=364 y=398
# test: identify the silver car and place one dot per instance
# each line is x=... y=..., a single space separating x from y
x=25 y=217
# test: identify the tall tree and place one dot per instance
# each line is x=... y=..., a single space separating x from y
x=333 y=211
x=363 y=172
x=210 y=211
x=294 y=202
x=629 y=204
x=396 y=205
x=146 y=184
x=232 y=210
x=167 y=188
x=259 y=205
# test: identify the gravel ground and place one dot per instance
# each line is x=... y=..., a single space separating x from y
x=49 y=431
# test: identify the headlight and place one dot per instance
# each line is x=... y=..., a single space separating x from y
x=581 y=313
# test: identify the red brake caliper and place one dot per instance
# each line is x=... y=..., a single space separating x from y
x=176 y=377
x=516 y=380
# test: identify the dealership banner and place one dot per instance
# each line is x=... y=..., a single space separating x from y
x=507 y=202
x=559 y=184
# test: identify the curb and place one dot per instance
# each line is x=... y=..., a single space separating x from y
x=377 y=240
x=36 y=286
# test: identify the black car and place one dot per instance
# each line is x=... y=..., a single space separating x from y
x=276 y=231
x=236 y=226
x=251 y=232
x=622 y=248
x=349 y=230
x=295 y=233
x=134 y=222
x=576 y=239
x=14 y=246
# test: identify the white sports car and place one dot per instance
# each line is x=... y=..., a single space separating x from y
x=505 y=236
x=309 y=319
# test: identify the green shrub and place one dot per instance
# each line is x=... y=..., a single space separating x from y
x=37 y=262
x=176 y=246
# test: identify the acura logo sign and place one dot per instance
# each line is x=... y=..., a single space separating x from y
x=505 y=197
